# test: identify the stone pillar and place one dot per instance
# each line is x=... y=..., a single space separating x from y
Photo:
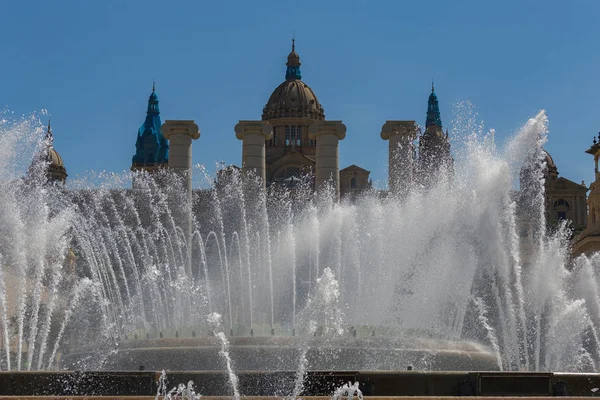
x=327 y=160
x=180 y=133
x=253 y=135
x=401 y=135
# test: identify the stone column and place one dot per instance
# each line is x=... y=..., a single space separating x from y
x=327 y=160
x=253 y=135
x=401 y=135
x=180 y=133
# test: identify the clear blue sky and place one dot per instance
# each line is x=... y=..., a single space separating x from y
x=91 y=65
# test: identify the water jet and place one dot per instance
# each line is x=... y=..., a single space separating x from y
x=379 y=283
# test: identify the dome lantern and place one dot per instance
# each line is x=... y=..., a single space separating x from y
x=293 y=64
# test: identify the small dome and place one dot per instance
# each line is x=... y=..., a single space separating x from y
x=293 y=98
x=549 y=159
x=551 y=169
x=55 y=168
x=55 y=159
x=48 y=162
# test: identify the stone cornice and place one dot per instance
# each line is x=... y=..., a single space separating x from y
x=408 y=129
x=327 y=128
x=247 y=127
x=175 y=127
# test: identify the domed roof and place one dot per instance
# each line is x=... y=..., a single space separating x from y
x=54 y=158
x=293 y=98
x=551 y=168
x=549 y=160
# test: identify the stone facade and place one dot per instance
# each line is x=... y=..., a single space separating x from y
x=354 y=180
x=588 y=241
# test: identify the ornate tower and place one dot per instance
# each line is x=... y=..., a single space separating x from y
x=152 y=149
x=434 y=145
x=47 y=165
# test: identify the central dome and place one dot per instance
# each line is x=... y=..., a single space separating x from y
x=293 y=98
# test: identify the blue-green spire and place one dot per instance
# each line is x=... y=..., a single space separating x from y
x=433 y=110
x=151 y=146
x=293 y=64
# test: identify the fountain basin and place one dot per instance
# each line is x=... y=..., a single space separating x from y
x=282 y=353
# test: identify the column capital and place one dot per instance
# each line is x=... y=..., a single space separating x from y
x=408 y=129
x=244 y=128
x=178 y=126
x=336 y=128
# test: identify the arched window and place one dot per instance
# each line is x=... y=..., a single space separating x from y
x=561 y=203
x=288 y=135
x=353 y=183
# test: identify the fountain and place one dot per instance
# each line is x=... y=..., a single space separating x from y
x=93 y=276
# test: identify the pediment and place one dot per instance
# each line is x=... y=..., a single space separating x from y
x=354 y=168
x=564 y=184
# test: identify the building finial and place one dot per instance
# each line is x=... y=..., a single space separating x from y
x=48 y=136
x=432 y=88
x=153 y=85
